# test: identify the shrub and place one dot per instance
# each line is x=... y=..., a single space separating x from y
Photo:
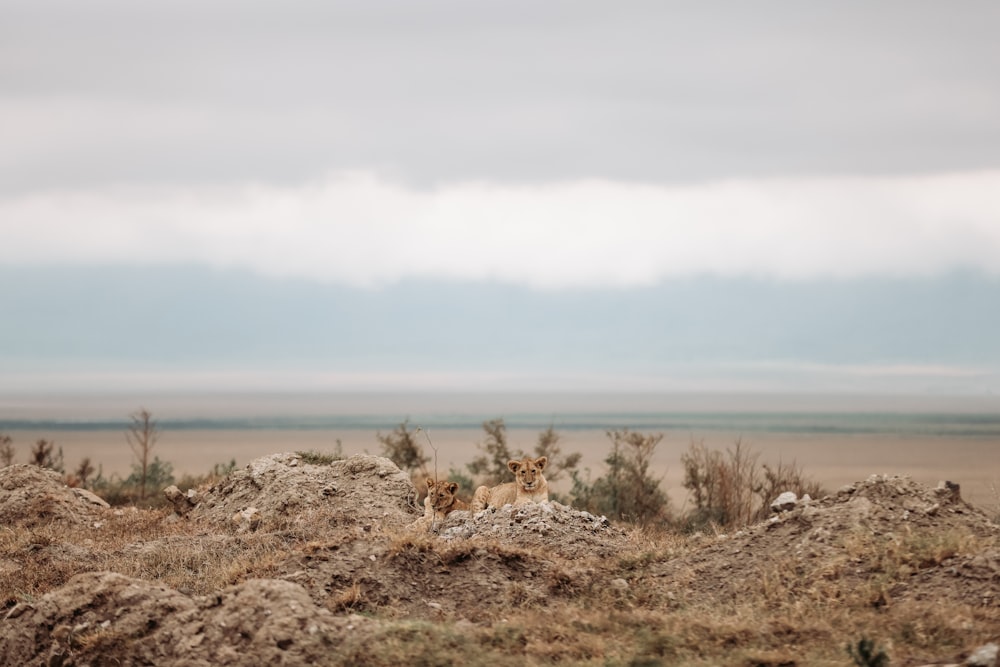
x=781 y=478
x=722 y=486
x=218 y=471
x=402 y=448
x=42 y=456
x=558 y=465
x=729 y=489
x=131 y=490
x=6 y=450
x=466 y=485
x=627 y=491
x=141 y=436
x=491 y=466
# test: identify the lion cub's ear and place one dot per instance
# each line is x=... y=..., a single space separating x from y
x=452 y=487
x=513 y=466
x=541 y=461
x=430 y=483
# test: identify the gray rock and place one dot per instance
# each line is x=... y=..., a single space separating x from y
x=948 y=492
x=785 y=502
x=247 y=519
x=182 y=502
x=88 y=497
x=984 y=656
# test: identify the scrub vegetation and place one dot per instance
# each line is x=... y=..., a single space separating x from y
x=882 y=572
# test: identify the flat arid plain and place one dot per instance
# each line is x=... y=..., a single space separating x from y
x=835 y=440
x=833 y=460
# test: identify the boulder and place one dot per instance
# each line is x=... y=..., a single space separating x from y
x=785 y=502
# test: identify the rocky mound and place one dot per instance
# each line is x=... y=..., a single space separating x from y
x=421 y=577
x=283 y=489
x=886 y=538
x=889 y=535
x=107 y=618
x=472 y=567
x=564 y=530
x=30 y=496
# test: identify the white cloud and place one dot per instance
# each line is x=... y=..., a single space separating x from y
x=357 y=229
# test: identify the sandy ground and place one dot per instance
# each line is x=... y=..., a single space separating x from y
x=834 y=460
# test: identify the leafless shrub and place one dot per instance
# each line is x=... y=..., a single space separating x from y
x=402 y=447
x=6 y=450
x=780 y=478
x=44 y=455
x=84 y=471
x=731 y=489
x=723 y=486
x=142 y=435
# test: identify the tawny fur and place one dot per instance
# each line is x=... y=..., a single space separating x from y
x=529 y=486
x=439 y=503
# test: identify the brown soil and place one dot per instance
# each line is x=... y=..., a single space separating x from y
x=915 y=534
x=331 y=575
x=30 y=496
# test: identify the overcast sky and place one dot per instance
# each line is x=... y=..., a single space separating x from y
x=761 y=196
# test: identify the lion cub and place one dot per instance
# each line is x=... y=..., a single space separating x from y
x=439 y=503
x=529 y=486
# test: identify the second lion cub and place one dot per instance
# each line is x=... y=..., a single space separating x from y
x=529 y=486
x=439 y=503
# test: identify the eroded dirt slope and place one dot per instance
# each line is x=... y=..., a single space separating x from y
x=346 y=549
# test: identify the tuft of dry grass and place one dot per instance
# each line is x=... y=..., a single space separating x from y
x=348 y=599
x=895 y=556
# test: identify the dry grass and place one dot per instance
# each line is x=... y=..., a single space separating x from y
x=140 y=543
x=790 y=611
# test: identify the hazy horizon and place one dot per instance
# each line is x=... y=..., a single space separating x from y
x=387 y=409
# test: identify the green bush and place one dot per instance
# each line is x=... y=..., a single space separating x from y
x=490 y=467
x=628 y=491
x=402 y=448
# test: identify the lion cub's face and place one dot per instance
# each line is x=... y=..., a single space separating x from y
x=528 y=472
x=442 y=494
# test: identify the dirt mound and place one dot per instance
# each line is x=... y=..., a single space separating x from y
x=107 y=618
x=283 y=489
x=31 y=496
x=421 y=576
x=564 y=530
x=887 y=535
x=884 y=551
x=471 y=567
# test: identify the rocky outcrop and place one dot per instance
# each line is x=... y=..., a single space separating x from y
x=551 y=525
x=31 y=496
x=108 y=618
x=283 y=489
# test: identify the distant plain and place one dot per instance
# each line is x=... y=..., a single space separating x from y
x=835 y=440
